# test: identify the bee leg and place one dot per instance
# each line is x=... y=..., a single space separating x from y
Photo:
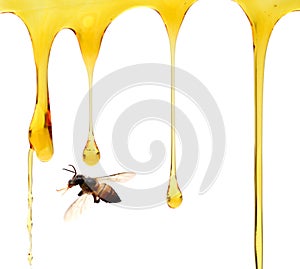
x=96 y=199
x=80 y=193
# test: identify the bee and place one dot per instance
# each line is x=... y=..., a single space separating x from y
x=96 y=188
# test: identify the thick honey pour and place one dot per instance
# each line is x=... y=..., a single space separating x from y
x=263 y=15
x=30 y=201
x=88 y=20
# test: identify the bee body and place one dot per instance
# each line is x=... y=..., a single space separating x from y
x=97 y=187
x=100 y=191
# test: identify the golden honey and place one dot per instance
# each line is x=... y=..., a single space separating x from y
x=30 y=201
x=91 y=153
x=263 y=15
x=174 y=195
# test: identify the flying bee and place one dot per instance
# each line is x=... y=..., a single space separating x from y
x=92 y=187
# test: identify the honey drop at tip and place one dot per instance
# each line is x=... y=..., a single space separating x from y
x=174 y=195
x=40 y=133
x=91 y=153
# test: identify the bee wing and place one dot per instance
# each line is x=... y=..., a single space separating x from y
x=120 y=177
x=78 y=207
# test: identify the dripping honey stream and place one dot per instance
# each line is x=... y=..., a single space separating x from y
x=30 y=201
x=174 y=195
x=91 y=153
x=263 y=16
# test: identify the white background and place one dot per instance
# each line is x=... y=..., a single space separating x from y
x=210 y=231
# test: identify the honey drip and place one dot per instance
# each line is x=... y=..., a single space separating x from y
x=91 y=153
x=30 y=201
x=174 y=195
x=263 y=15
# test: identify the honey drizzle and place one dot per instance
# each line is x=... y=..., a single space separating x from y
x=260 y=46
x=30 y=201
x=174 y=195
x=263 y=16
x=40 y=130
x=89 y=38
x=91 y=153
x=173 y=18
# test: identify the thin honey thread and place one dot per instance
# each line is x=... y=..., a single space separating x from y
x=174 y=194
x=30 y=202
x=260 y=48
x=263 y=16
x=91 y=127
x=91 y=153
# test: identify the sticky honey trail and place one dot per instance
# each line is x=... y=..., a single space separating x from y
x=263 y=16
x=91 y=153
x=174 y=195
x=90 y=42
x=30 y=201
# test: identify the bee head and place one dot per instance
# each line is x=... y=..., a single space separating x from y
x=76 y=180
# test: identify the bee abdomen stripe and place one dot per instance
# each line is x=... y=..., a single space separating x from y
x=109 y=195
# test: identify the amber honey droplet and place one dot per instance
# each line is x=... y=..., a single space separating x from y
x=91 y=153
x=174 y=195
x=40 y=133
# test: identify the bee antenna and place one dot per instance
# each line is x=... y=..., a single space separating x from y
x=74 y=172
